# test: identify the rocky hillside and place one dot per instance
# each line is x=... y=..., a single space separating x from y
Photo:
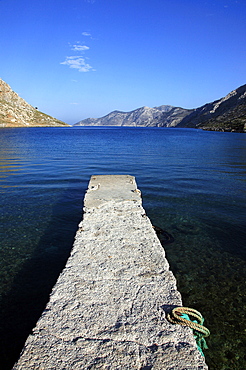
x=16 y=112
x=226 y=114
x=163 y=116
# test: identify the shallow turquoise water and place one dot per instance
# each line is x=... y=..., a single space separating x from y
x=193 y=186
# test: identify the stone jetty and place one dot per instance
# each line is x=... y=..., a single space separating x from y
x=108 y=307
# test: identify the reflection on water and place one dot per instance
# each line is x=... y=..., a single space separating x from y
x=7 y=166
x=193 y=186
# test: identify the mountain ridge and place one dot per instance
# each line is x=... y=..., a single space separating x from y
x=225 y=114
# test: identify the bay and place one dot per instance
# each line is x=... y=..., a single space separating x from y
x=193 y=186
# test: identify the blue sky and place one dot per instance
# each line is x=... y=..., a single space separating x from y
x=75 y=59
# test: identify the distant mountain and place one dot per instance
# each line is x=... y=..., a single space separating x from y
x=16 y=112
x=163 y=116
x=226 y=114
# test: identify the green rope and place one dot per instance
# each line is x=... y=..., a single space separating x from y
x=182 y=316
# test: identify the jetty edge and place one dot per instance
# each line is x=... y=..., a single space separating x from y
x=108 y=308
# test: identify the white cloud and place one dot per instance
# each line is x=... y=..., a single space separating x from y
x=77 y=62
x=80 y=47
x=86 y=34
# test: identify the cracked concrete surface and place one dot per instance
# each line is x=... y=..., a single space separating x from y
x=108 y=307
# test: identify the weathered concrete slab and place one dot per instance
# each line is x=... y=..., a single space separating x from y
x=107 y=309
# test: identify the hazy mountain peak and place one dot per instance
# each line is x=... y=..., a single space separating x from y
x=140 y=117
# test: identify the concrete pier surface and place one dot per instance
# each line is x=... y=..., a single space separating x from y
x=108 y=307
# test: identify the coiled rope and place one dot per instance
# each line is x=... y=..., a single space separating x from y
x=182 y=316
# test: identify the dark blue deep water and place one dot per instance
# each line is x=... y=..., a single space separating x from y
x=193 y=185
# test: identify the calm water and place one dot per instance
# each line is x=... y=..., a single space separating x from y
x=193 y=186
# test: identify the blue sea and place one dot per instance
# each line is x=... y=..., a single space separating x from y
x=193 y=185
